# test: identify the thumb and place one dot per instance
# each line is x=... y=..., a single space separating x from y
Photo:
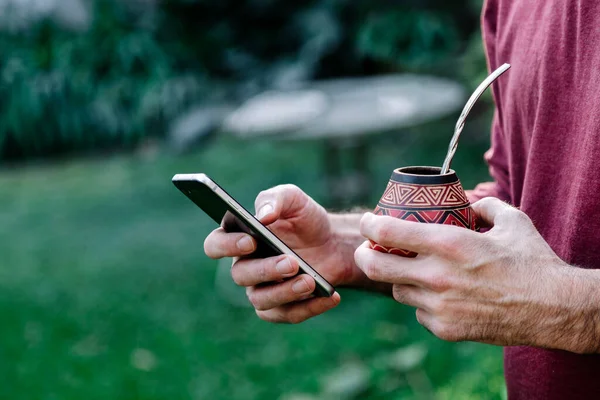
x=489 y=209
x=282 y=201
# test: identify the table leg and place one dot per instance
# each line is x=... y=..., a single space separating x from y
x=333 y=172
x=347 y=186
x=362 y=175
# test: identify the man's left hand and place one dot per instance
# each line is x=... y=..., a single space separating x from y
x=505 y=286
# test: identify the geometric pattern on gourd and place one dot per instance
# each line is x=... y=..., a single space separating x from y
x=398 y=194
x=460 y=217
x=423 y=196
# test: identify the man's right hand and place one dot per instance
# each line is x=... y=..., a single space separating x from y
x=277 y=294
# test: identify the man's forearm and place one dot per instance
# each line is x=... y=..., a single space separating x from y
x=347 y=227
x=347 y=237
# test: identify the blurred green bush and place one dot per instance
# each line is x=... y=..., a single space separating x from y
x=124 y=74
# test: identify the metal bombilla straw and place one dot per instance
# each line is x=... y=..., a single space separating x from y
x=460 y=124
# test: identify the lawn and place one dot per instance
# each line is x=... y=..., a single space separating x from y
x=105 y=292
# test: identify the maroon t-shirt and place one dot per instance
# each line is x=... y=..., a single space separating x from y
x=545 y=157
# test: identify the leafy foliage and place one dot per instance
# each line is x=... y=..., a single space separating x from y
x=134 y=69
x=110 y=85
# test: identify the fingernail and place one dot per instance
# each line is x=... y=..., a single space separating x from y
x=245 y=244
x=284 y=267
x=333 y=300
x=264 y=211
x=300 y=287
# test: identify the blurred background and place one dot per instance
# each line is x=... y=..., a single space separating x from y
x=105 y=292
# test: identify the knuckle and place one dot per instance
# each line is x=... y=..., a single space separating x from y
x=361 y=258
x=259 y=197
x=510 y=215
x=384 y=231
x=439 y=307
x=358 y=254
x=262 y=272
x=445 y=332
x=316 y=308
x=263 y=195
x=295 y=318
x=267 y=317
x=399 y=293
x=519 y=217
x=261 y=307
x=370 y=268
x=285 y=189
x=439 y=282
x=236 y=275
x=363 y=223
x=503 y=217
x=262 y=315
x=254 y=299
x=290 y=188
x=266 y=300
x=490 y=201
x=280 y=193
x=448 y=244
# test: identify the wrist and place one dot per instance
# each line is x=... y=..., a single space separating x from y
x=574 y=322
x=346 y=228
x=346 y=238
x=585 y=310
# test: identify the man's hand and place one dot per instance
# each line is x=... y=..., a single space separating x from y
x=505 y=286
x=271 y=285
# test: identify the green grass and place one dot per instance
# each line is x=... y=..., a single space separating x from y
x=105 y=292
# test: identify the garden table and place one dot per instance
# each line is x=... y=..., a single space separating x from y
x=343 y=114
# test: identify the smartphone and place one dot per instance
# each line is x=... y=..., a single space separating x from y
x=232 y=217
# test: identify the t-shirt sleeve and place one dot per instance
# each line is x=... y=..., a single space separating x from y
x=496 y=158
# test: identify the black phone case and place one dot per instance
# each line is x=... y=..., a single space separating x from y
x=231 y=223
